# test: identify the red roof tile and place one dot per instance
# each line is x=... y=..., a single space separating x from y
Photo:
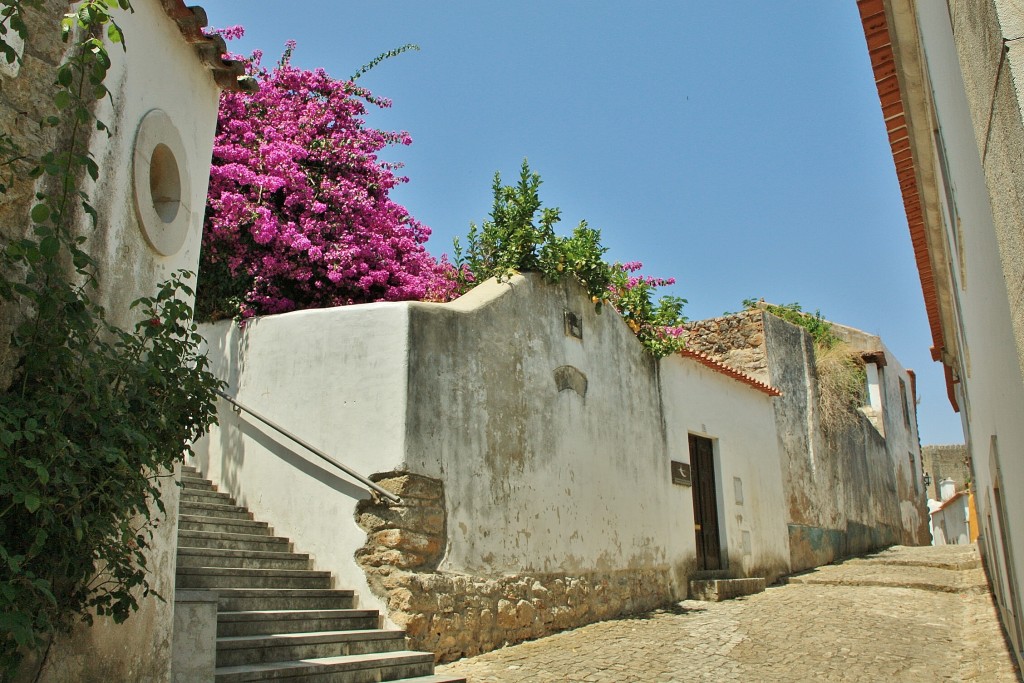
x=228 y=74
x=718 y=366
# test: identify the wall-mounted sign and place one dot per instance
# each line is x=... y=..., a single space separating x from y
x=681 y=473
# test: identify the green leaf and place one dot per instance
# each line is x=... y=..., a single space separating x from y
x=62 y=99
x=49 y=246
x=32 y=502
x=114 y=33
x=40 y=212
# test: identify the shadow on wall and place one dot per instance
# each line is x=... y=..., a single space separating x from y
x=289 y=452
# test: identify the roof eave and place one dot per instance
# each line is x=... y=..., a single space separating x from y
x=894 y=46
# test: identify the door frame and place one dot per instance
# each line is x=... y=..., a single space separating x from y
x=705 y=476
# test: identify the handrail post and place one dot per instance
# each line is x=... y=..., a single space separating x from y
x=312 y=449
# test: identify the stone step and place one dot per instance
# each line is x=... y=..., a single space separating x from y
x=197 y=496
x=266 y=622
x=196 y=484
x=283 y=647
x=217 y=510
x=227 y=577
x=223 y=525
x=716 y=590
x=189 y=469
x=368 y=668
x=227 y=541
x=243 y=559
x=432 y=678
x=242 y=599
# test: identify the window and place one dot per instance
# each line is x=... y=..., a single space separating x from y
x=906 y=406
x=161 y=180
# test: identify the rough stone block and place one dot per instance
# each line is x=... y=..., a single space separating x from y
x=716 y=590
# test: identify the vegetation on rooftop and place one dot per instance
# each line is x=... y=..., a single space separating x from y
x=841 y=377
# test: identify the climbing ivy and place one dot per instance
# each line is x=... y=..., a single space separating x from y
x=95 y=414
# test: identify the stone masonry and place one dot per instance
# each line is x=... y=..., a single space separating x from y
x=459 y=615
x=907 y=614
x=22 y=115
x=736 y=340
x=942 y=462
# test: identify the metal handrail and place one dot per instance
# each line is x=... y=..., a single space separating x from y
x=312 y=449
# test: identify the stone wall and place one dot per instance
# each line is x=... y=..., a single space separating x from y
x=23 y=107
x=942 y=462
x=461 y=615
x=736 y=340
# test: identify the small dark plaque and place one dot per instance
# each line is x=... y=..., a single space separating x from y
x=573 y=325
x=681 y=473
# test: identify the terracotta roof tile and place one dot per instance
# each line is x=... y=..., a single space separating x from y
x=228 y=74
x=718 y=366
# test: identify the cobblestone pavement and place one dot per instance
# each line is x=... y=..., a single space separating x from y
x=907 y=614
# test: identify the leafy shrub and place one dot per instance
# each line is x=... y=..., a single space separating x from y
x=519 y=236
x=298 y=214
x=95 y=414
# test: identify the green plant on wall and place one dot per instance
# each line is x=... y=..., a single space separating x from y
x=519 y=236
x=95 y=414
x=841 y=376
x=819 y=328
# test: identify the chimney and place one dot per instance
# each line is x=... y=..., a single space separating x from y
x=947 y=489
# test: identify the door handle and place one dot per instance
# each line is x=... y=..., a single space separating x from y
x=696 y=527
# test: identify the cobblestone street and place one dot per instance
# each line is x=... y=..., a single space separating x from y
x=907 y=614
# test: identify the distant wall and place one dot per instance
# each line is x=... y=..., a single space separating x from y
x=945 y=462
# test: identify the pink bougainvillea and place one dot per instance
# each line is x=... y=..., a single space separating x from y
x=298 y=214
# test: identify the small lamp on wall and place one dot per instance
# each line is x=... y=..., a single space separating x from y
x=927 y=480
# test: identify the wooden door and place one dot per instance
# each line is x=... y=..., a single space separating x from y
x=705 y=503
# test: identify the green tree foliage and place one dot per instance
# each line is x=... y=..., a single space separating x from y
x=520 y=236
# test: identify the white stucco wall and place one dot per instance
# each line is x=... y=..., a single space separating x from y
x=159 y=70
x=740 y=420
x=991 y=388
x=337 y=379
x=952 y=522
x=537 y=479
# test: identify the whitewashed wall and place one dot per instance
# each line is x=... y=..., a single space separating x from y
x=337 y=378
x=698 y=400
x=537 y=479
x=991 y=388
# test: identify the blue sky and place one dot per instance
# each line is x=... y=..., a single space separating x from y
x=736 y=146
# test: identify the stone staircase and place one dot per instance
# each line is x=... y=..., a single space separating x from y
x=278 y=619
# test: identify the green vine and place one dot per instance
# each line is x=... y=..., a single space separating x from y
x=95 y=414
